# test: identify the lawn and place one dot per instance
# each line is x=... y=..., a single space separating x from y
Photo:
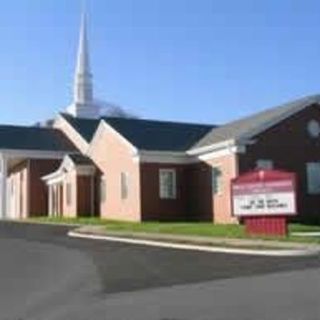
x=179 y=228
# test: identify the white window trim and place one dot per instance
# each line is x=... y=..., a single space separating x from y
x=126 y=186
x=103 y=187
x=174 y=184
x=220 y=189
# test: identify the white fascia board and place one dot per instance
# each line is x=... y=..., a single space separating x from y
x=222 y=152
x=221 y=149
x=34 y=154
x=53 y=180
x=212 y=147
x=164 y=157
x=53 y=177
x=66 y=165
x=60 y=118
x=95 y=137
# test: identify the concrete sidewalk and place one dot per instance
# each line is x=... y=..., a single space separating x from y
x=200 y=243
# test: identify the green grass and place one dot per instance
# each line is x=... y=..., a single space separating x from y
x=184 y=228
x=180 y=228
x=297 y=227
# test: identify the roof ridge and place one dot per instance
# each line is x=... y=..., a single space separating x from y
x=159 y=121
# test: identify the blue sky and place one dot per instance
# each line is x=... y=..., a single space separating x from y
x=189 y=60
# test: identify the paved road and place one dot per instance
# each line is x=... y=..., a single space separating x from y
x=46 y=275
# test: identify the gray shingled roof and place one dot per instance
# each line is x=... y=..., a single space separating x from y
x=85 y=127
x=159 y=135
x=145 y=134
x=33 y=138
x=244 y=127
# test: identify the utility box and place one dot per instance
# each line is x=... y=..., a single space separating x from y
x=264 y=199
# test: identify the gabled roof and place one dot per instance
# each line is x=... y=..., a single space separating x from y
x=145 y=134
x=33 y=138
x=85 y=127
x=154 y=135
x=254 y=124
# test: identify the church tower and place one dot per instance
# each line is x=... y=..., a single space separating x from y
x=83 y=105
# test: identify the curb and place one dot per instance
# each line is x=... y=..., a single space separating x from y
x=307 y=234
x=192 y=247
x=45 y=223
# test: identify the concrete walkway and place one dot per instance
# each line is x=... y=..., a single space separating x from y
x=199 y=243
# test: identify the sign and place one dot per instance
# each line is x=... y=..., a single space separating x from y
x=264 y=195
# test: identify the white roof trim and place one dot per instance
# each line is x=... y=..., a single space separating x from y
x=164 y=157
x=60 y=117
x=35 y=154
x=212 y=147
x=66 y=165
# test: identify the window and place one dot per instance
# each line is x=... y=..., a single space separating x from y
x=167 y=184
x=103 y=189
x=216 y=175
x=313 y=128
x=124 y=185
x=264 y=164
x=68 y=193
x=313 y=177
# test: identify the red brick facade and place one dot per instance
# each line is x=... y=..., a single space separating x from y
x=154 y=208
x=287 y=144
x=290 y=147
x=32 y=198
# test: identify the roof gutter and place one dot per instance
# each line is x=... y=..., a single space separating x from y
x=213 y=147
x=227 y=144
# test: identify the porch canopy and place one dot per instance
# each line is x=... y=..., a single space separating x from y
x=71 y=188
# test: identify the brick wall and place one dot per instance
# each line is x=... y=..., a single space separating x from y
x=112 y=156
x=290 y=147
x=154 y=208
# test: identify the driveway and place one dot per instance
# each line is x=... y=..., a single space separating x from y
x=46 y=275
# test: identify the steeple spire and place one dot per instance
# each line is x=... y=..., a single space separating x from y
x=83 y=91
x=83 y=105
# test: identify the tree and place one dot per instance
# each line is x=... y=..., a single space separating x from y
x=108 y=109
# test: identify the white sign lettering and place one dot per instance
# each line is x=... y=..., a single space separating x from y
x=264 y=199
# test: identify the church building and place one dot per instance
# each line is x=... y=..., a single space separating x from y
x=82 y=164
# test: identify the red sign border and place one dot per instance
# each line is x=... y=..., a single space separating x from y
x=290 y=175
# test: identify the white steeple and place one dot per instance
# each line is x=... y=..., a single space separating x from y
x=83 y=105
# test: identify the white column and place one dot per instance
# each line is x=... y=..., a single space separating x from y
x=49 y=200
x=3 y=186
x=58 y=200
x=55 y=200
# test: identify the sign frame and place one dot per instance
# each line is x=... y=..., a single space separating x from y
x=265 y=177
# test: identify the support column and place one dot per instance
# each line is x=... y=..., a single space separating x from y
x=49 y=200
x=56 y=200
x=3 y=186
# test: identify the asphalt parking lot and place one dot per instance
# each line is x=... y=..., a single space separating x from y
x=41 y=269
x=123 y=267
